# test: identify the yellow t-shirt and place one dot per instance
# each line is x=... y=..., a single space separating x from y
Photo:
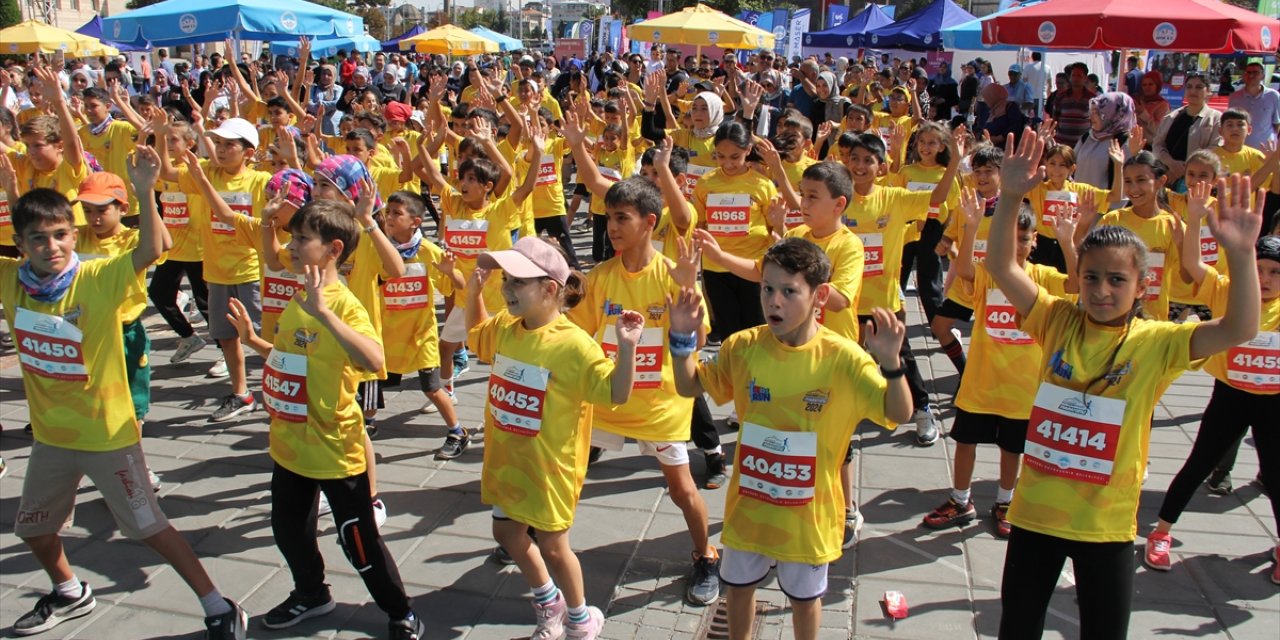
x=471 y=232
x=915 y=177
x=735 y=210
x=112 y=149
x=548 y=186
x=65 y=180
x=73 y=370
x=794 y=172
x=1246 y=161
x=880 y=219
x=798 y=407
x=1046 y=202
x=6 y=220
x=844 y=248
x=666 y=238
x=961 y=290
x=998 y=380
x=412 y=137
x=655 y=412
x=1163 y=254
x=881 y=123
x=228 y=258
x=1123 y=371
x=409 y=312
x=1252 y=366
x=538 y=416
x=1211 y=254
x=701 y=155
x=615 y=165
x=90 y=247
x=520 y=168
x=309 y=388
x=185 y=216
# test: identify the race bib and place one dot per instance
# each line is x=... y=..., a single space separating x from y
x=612 y=175
x=649 y=353
x=409 y=292
x=793 y=219
x=173 y=209
x=517 y=396
x=1255 y=365
x=728 y=214
x=979 y=251
x=691 y=177
x=278 y=288
x=49 y=346
x=1000 y=320
x=934 y=210
x=546 y=171
x=466 y=238
x=241 y=203
x=1208 y=246
x=5 y=219
x=1057 y=203
x=1074 y=436
x=873 y=254
x=1155 y=270
x=284 y=386
x=777 y=466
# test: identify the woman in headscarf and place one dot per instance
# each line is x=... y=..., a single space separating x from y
x=706 y=113
x=1112 y=116
x=1004 y=118
x=327 y=92
x=945 y=92
x=830 y=105
x=1152 y=107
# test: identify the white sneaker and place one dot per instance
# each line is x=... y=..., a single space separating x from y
x=219 y=369
x=155 y=480
x=379 y=512
x=186 y=347
x=956 y=334
x=325 y=509
x=429 y=407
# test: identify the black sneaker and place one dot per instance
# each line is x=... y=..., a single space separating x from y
x=1257 y=480
x=298 y=607
x=370 y=427
x=232 y=406
x=716 y=476
x=704 y=581
x=411 y=628
x=454 y=445
x=53 y=609
x=228 y=626
x=594 y=455
x=1219 y=483
x=501 y=557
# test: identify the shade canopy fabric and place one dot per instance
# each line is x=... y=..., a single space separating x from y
x=1201 y=26
x=328 y=47
x=849 y=34
x=703 y=26
x=505 y=43
x=38 y=37
x=176 y=22
x=968 y=36
x=394 y=43
x=920 y=30
x=449 y=40
x=93 y=29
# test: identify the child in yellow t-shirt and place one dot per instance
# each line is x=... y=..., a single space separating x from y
x=66 y=319
x=1060 y=193
x=800 y=390
x=992 y=406
x=547 y=373
x=324 y=347
x=1103 y=370
x=109 y=140
x=54 y=158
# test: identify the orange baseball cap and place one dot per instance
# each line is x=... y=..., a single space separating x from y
x=103 y=188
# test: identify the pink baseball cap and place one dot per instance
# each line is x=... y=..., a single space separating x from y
x=531 y=257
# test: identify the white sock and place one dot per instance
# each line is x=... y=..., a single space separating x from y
x=70 y=589
x=716 y=451
x=960 y=496
x=1004 y=495
x=214 y=604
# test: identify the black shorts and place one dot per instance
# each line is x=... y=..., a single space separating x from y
x=985 y=428
x=581 y=190
x=369 y=394
x=954 y=310
x=428 y=380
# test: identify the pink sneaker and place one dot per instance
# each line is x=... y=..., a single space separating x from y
x=551 y=617
x=1157 y=555
x=588 y=630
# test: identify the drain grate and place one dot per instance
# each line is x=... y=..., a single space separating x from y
x=715 y=622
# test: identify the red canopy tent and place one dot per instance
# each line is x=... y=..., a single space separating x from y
x=1202 y=26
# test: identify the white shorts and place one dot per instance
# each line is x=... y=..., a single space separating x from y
x=669 y=454
x=798 y=581
x=455 y=326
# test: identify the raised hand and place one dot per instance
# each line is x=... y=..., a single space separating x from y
x=1047 y=128
x=573 y=131
x=144 y=168
x=1116 y=152
x=1198 y=196
x=777 y=215
x=1021 y=170
x=973 y=206
x=688 y=260
x=311 y=298
x=630 y=327
x=8 y=176
x=685 y=312
x=481 y=129
x=1068 y=218
x=824 y=130
x=707 y=244
x=364 y=203
x=662 y=156
x=1239 y=216
x=1137 y=140
x=883 y=334
x=239 y=318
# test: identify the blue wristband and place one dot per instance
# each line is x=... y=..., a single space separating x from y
x=682 y=345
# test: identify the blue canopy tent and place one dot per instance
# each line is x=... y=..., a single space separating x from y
x=968 y=35
x=505 y=43
x=394 y=43
x=93 y=29
x=847 y=34
x=177 y=22
x=327 y=47
x=920 y=30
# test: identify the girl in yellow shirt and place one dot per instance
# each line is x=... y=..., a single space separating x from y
x=1089 y=429
x=547 y=372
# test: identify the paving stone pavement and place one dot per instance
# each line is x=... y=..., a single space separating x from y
x=630 y=537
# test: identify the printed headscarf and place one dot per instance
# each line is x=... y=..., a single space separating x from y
x=345 y=172
x=1116 y=110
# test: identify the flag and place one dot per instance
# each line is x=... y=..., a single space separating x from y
x=837 y=14
x=799 y=26
x=780 y=31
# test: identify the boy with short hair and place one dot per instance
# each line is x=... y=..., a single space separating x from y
x=108 y=139
x=800 y=390
x=66 y=320
x=54 y=158
x=325 y=345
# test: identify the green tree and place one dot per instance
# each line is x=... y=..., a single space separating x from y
x=10 y=13
x=138 y=4
x=339 y=5
x=375 y=22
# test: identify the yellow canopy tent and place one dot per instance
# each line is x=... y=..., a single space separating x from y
x=702 y=26
x=37 y=37
x=449 y=40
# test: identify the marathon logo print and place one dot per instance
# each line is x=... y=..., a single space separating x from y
x=1060 y=367
x=302 y=337
x=514 y=373
x=815 y=401
x=1076 y=406
x=774 y=443
x=612 y=309
x=73 y=316
x=758 y=393
x=655 y=312
x=1114 y=376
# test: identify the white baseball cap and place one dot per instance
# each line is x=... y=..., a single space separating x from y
x=236 y=129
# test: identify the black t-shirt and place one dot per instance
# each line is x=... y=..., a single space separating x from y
x=1175 y=140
